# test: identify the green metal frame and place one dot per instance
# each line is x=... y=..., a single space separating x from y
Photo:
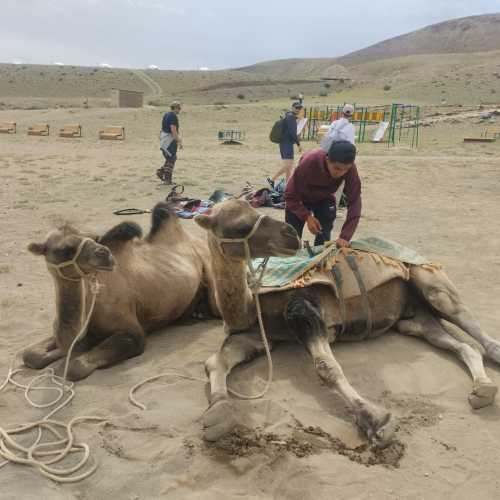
x=404 y=122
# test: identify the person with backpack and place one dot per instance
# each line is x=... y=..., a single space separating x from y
x=284 y=133
x=341 y=129
x=170 y=141
x=309 y=192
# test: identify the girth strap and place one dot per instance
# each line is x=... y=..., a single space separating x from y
x=337 y=278
x=351 y=261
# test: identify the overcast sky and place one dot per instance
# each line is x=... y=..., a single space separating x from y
x=189 y=34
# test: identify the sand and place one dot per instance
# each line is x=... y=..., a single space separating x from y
x=441 y=200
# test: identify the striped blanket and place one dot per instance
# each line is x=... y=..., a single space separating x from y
x=281 y=271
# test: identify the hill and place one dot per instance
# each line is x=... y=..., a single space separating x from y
x=457 y=36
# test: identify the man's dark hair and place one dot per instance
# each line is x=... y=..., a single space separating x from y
x=342 y=152
x=175 y=105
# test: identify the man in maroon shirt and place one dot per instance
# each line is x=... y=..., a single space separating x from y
x=308 y=193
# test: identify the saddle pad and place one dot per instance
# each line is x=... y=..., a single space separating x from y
x=281 y=271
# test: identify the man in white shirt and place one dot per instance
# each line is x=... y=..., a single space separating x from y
x=341 y=129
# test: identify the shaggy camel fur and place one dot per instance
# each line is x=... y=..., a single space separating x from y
x=415 y=305
x=147 y=284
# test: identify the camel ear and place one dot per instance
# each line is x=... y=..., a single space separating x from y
x=205 y=221
x=37 y=248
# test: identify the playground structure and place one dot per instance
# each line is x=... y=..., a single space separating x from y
x=390 y=124
x=231 y=136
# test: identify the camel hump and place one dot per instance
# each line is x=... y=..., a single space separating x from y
x=120 y=234
x=161 y=214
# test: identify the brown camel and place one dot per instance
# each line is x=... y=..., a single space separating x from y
x=414 y=299
x=147 y=283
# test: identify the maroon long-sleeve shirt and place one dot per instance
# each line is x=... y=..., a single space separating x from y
x=311 y=182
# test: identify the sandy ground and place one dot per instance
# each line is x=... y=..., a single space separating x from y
x=441 y=200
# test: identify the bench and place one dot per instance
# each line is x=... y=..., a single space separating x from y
x=8 y=128
x=489 y=134
x=493 y=131
x=39 y=129
x=71 y=130
x=112 y=133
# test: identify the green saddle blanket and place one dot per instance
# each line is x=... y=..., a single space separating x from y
x=282 y=270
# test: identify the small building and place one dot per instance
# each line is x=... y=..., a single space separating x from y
x=126 y=98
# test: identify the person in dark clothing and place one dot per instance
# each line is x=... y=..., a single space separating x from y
x=286 y=145
x=308 y=193
x=170 y=141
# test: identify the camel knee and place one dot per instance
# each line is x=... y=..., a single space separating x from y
x=34 y=359
x=328 y=373
x=214 y=363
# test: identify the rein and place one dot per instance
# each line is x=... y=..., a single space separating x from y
x=38 y=454
x=256 y=276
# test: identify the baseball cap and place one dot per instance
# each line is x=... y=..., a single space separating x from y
x=342 y=152
x=348 y=109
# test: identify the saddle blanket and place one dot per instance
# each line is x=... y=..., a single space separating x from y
x=281 y=271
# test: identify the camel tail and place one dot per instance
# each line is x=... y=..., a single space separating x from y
x=161 y=215
x=120 y=234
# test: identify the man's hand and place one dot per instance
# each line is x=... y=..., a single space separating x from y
x=299 y=148
x=313 y=225
x=179 y=143
x=341 y=243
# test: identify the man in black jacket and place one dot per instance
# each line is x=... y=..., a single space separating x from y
x=290 y=138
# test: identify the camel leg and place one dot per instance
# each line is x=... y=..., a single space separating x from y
x=305 y=321
x=237 y=348
x=116 y=348
x=428 y=327
x=442 y=295
x=42 y=354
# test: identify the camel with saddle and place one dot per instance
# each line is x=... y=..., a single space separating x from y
x=346 y=295
x=123 y=286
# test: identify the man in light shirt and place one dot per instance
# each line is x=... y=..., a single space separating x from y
x=341 y=129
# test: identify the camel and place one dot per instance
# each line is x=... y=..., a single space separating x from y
x=146 y=283
x=415 y=300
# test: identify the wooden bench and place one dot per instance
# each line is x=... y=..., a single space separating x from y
x=39 y=129
x=71 y=130
x=492 y=131
x=8 y=128
x=112 y=133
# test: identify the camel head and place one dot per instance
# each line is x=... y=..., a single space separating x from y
x=253 y=233
x=73 y=254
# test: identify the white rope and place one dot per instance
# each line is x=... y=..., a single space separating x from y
x=43 y=455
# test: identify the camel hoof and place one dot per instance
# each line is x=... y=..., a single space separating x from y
x=378 y=425
x=483 y=395
x=79 y=369
x=218 y=420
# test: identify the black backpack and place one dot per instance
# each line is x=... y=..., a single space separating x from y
x=277 y=133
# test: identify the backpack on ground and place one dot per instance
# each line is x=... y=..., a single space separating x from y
x=277 y=133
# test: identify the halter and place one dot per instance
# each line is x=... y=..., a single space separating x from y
x=248 y=256
x=72 y=262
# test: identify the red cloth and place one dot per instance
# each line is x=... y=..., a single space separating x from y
x=311 y=182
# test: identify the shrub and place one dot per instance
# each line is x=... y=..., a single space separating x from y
x=323 y=93
x=241 y=96
x=387 y=87
x=326 y=85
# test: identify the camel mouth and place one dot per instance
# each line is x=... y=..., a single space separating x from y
x=107 y=267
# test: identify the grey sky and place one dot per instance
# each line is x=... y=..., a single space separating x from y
x=189 y=34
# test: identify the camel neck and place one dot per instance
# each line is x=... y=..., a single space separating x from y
x=68 y=310
x=233 y=295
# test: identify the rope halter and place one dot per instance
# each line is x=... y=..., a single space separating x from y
x=248 y=256
x=72 y=262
